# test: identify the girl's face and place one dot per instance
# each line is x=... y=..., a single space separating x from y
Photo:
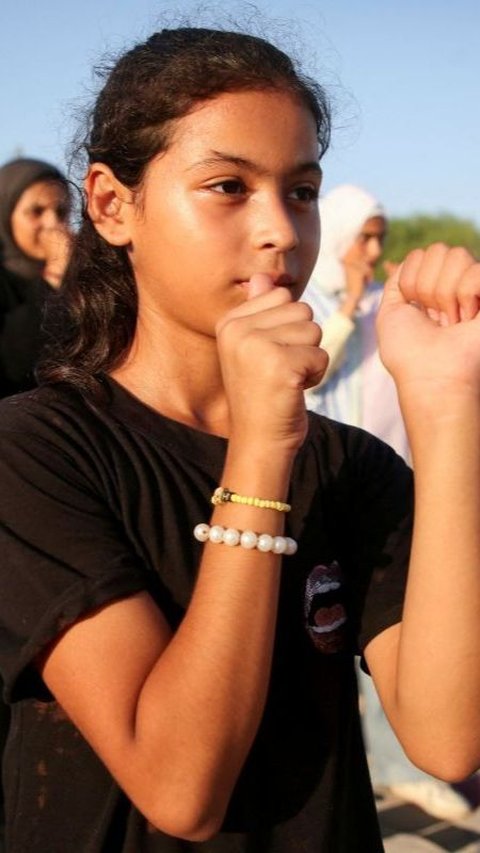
x=368 y=246
x=235 y=194
x=42 y=206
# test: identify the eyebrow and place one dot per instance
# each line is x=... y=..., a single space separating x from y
x=219 y=157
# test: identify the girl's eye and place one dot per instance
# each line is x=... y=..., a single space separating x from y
x=305 y=193
x=231 y=186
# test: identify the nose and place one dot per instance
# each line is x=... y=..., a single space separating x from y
x=51 y=219
x=274 y=226
x=374 y=249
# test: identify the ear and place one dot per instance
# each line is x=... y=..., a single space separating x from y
x=110 y=204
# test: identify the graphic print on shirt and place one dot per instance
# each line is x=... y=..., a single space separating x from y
x=325 y=613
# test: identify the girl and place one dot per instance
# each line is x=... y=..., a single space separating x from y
x=173 y=691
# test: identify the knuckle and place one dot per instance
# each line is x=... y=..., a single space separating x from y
x=470 y=280
x=423 y=286
x=461 y=253
x=415 y=255
x=305 y=310
x=438 y=246
x=410 y=267
x=315 y=332
x=280 y=296
x=436 y=252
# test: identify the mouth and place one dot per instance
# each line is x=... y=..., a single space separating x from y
x=282 y=280
x=324 y=608
x=327 y=619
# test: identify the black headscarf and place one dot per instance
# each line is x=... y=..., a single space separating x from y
x=15 y=177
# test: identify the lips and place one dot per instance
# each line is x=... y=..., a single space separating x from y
x=278 y=280
x=324 y=609
x=329 y=619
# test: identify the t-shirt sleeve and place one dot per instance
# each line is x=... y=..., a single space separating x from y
x=381 y=510
x=63 y=549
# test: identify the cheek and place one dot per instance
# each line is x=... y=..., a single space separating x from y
x=311 y=246
x=24 y=233
x=355 y=254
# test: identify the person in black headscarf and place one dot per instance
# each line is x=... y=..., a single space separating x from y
x=34 y=249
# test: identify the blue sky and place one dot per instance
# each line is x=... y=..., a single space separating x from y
x=405 y=78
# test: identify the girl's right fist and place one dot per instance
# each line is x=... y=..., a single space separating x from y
x=269 y=354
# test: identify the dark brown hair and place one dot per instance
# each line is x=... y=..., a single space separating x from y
x=92 y=327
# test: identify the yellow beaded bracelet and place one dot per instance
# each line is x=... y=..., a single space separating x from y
x=223 y=496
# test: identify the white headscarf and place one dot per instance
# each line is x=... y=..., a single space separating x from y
x=343 y=212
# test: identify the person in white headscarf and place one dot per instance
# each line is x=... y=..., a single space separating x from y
x=358 y=390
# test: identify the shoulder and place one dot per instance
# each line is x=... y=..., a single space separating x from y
x=42 y=407
x=52 y=423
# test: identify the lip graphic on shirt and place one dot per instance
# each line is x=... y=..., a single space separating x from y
x=325 y=613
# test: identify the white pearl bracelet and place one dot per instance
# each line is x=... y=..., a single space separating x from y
x=246 y=539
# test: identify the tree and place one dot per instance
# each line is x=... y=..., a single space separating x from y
x=420 y=230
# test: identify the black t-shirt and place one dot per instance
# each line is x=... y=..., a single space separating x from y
x=98 y=502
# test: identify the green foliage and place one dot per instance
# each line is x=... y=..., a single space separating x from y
x=420 y=230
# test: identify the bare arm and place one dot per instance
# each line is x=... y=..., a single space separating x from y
x=173 y=716
x=427 y=669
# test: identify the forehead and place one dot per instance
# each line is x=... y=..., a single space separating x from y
x=49 y=192
x=270 y=128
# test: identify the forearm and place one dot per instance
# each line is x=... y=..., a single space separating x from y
x=201 y=705
x=175 y=719
x=438 y=686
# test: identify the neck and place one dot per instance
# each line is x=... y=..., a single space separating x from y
x=176 y=372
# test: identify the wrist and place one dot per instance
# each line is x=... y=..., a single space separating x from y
x=256 y=472
x=438 y=401
x=261 y=447
x=256 y=462
x=438 y=423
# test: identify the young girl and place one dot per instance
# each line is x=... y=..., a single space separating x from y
x=174 y=691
